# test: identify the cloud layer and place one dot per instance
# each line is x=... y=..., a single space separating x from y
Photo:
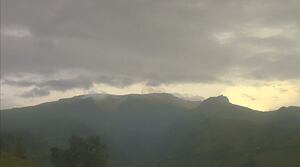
x=67 y=44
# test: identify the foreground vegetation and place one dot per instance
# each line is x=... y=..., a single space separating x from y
x=157 y=130
x=81 y=152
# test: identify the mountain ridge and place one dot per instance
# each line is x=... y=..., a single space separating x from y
x=221 y=99
x=161 y=130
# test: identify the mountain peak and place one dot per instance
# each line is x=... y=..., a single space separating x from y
x=289 y=108
x=217 y=100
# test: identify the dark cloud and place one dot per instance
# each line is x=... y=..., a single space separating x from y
x=122 y=42
x=45 y=86
x=65 y=84
x=35 y=92
x=20 y=83
x=274 y=66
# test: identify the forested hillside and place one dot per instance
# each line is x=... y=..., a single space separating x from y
x=157 y=130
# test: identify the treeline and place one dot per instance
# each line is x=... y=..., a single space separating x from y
x=80 y=152
x=13 y=152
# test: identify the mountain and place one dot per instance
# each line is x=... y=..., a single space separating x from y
x=152 y=130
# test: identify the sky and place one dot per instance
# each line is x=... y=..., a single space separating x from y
x=246 y=50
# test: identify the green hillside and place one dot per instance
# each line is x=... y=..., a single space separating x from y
x=160 y=130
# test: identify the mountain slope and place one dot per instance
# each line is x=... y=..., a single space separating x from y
x=162 y=130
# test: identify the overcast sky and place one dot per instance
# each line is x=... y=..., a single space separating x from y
x=247 y=50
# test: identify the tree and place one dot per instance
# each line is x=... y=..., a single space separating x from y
x=250 y=163
x=81 y=152
x=10 y=160
x=20 y=150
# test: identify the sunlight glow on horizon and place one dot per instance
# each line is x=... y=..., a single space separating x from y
x=263 y=96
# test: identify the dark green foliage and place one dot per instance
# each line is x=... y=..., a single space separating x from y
x=249 y=163
x=20 y=150
x=13 y=145
x=159 y=130
x=13 y=152
x=9 y=160
x=81 y=152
